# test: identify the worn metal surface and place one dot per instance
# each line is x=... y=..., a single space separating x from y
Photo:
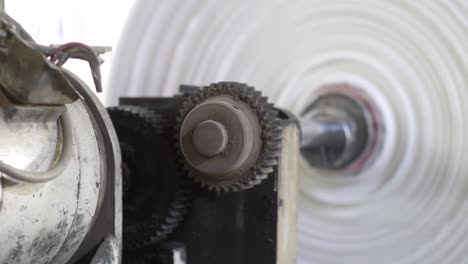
x=90 y=185
x=38 y=222
x=51 y=222
x=108 y=252
x=108 y=220
x=15 y=116
x=28 y=137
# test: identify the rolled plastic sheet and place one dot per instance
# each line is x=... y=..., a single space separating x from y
x=408 y=204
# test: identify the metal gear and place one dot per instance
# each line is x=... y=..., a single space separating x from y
x=228 y=136
x=156 y=195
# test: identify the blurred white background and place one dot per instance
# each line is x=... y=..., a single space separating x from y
x=58 y=21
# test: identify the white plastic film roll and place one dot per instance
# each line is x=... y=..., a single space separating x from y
x=409 y=205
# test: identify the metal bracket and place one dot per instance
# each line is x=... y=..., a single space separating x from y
x=31 y=74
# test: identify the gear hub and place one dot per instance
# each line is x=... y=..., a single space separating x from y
x=228 y=136
x=209 y=138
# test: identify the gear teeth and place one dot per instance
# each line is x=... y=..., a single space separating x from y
x=265 y=170
x=269 y=162
x=271 y=133
x=262 y=176
x=276 y=127
x=276 y=136
x=273 y=154
x=275 y=145
x=269 y=107
x=151 y=124
x=249 y=90
x=172 y=220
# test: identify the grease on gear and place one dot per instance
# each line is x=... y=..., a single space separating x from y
x=228 y=136
x=156 y=195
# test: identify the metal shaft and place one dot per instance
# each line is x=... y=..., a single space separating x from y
x=334 y=132
x=327 y=131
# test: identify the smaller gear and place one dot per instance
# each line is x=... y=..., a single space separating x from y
x=155 y=194
x=228 y=136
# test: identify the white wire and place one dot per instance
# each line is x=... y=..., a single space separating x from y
x=411 y=57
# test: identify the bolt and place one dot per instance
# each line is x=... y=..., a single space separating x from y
x=209 y=138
